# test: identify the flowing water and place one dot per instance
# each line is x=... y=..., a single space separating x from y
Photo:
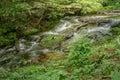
x=74 y=28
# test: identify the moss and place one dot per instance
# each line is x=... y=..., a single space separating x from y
x=50 y=41
x=31 y=32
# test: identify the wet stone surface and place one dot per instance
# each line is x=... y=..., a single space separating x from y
x=66 y=33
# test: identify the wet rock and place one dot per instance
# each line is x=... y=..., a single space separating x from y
x=34 y=38
x=66 y=33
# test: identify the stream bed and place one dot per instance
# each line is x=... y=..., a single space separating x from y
x=67 y=32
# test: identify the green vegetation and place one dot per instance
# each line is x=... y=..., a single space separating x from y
x=50 y=41
x=16 y=15
x=79 y=53
x=113 y=4
x=115 y=75
x=116 y=30
x=31 y=32
x=110 y=4
x=84 y=60
x=12 y=17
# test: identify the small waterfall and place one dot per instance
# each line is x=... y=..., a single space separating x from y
x=66 y=27
x=63 y=26
x=51 y=32
x=28 y=45
x=103 y=29
x=97 y=30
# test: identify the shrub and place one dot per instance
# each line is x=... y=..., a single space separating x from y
x=13 y=17
x=33 y=73
x=90 y=7
x=79 y=52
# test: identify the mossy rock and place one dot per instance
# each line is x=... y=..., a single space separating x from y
x=31 y=32
x=51 y=41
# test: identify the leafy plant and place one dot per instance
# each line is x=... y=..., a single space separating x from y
x=90 y=6
x=79 y=52
x=13 y=17
x=115 y=75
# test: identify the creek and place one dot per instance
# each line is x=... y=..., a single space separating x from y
x=67 y=32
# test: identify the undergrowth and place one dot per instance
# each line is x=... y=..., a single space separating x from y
x=84 y=61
